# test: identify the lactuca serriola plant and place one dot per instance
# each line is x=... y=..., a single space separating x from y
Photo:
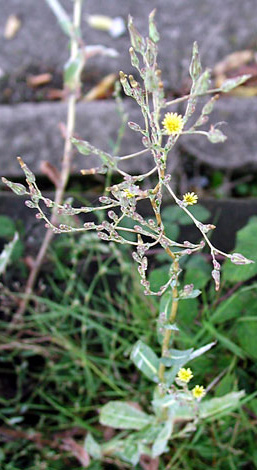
x=176 y=407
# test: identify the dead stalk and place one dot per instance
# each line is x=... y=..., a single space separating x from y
x=65 y=169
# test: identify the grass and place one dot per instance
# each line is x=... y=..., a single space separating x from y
x=71 y=355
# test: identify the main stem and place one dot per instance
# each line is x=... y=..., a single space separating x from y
x=172 y=318
x=65 y=169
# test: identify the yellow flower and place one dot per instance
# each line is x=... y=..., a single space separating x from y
x=185 y=375
x=173 y=123
x=190 y=198
x=128 y=194
x=198 y=391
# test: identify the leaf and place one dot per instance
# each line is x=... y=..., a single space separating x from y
x=201 y=85
x=246 y=332
x=145 y=360
x=86 y=148
x=153 y=33
x=5 y=256
x=246 y=244
x=160 y=444
x=172 y=231
x=129 y=451
x=195 y=66
x=17 y=188
x=232 y=83
x=61 y=16
x=220 y=406
x=178 y=359
x=92 y=447
x=158 y=277
x=121 y=415
x=198 y=271
x=198 y=352
x=175 y=214
x=226 y=342
x=7 y=227
x=72 y=71
x=242 y=302
x=136 y=39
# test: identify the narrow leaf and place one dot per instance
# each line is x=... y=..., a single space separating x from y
x=195 y=66
x=145 y=360
x=121 y=415
x=86 y=148
x=232 y=83
x=72 y=71
x=92 y=447
x=160 y=444
x=222 y=405
x=137 y=40
x=153 y=33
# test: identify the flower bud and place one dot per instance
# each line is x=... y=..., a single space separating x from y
x=237 y=258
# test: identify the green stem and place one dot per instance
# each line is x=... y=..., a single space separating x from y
x=172 y=318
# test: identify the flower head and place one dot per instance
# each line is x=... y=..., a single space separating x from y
x=173 y=123
x=198 y=391
x=190 y=198
x=185 y=375
x=128 y=194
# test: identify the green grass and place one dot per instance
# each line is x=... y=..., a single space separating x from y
x=71 y=355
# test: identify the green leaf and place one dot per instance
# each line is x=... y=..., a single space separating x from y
x=17 y=188
x=86 y=148
x=160 y=444
x=145 y=360
x=92 y=447
x=178 y=359
x=202 y=84
x=72 y=71
x=226 y=384
x=5 y=256
x=171 y=230
x=158 y=277
x=7 y=227
x=176 y=214
x=245 y=244
x=246 y=332
x=137 y=41
x=232 y=83
x=129 y=451
x=195 y=66
x=241 y=303
x=226 y=342
x=220 y=406
x=153 y=33
x=121 y=415
x=198 y=271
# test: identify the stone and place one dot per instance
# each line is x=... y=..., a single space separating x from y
x=31 y=131
x=219 y=27
x=238 y=124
